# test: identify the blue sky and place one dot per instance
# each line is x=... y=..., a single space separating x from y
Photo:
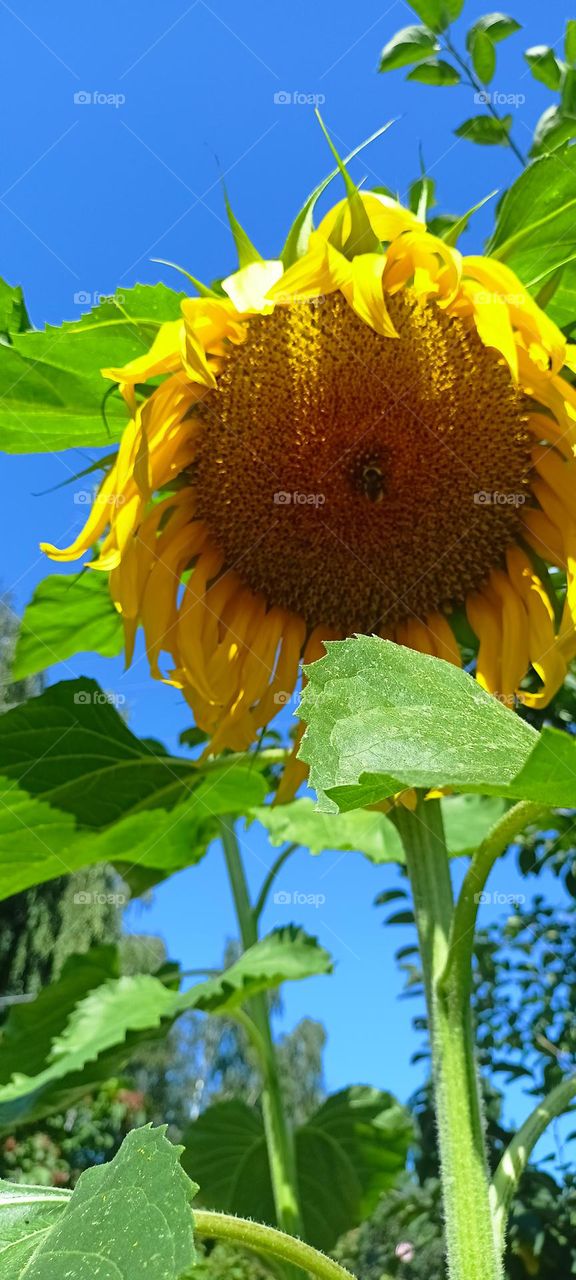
x=90 y=193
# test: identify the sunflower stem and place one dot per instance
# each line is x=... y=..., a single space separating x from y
x=279 y=1140
x=472 y=1250
x=266 y=1240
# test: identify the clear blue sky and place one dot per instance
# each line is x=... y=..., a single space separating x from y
x=90 y=193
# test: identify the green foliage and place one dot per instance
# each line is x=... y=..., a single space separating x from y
x=347 y=1153
x=51 y=389
x=412 y=44
x=92 y=1020
x=129 y=1217
x=67 y=615
x=535 y=229
x=93 y=792
x=467 y=820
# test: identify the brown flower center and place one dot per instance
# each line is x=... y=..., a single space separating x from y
x=359 y=480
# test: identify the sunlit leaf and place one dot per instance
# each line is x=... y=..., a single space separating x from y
x=436 y=72
x=544 y=66
x=412 y=44
x=67 y=615
x=485 y=130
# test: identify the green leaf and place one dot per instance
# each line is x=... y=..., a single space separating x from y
x=51 y=388
x=570 y=41
x=552 y=131
x=568 y=98
x=412 y=44
x=362 y=238
x=67 y=616
x=535 y=231
x=125 y=1219
x=422 y=196
x=485 y=130
x=437 y=14
x=435 y=72
x=497 y=25
x=77 y=787
x=349 y=1153
x=13 y=314
x=545 y=66
x=381 y=718
x=481 y=47
x=467 y=819
x=86 y=1039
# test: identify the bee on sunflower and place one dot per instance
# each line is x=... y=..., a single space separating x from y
x=369 y=437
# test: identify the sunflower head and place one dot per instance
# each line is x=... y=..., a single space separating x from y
x=374 y=437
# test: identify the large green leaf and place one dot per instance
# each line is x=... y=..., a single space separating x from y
x=124 y=1220
x=89 y=1030
x=347 y=1155
x=350 y=1151
x=382 y=718
x=467 y=819
x=67 y=615
x=77 y=787
x=535 y=231
x=51 y=389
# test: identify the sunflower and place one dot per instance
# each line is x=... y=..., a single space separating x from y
x=375 y=437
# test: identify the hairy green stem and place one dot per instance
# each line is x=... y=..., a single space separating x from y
x=462 y=930
x=471 y=1247
x=278 y=1133
x=261 y=1239
x=518 y=1152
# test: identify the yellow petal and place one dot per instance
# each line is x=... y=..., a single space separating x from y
x=249 y=287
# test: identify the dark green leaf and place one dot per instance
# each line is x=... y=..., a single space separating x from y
x=125 y=1219
x=436 y=72
x=545 y=66
x=412 y=44
x=67 y=615
x=485 y=130
x=351 y=1151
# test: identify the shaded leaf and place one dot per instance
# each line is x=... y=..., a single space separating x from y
x=350 y=1151
x=483 y=53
